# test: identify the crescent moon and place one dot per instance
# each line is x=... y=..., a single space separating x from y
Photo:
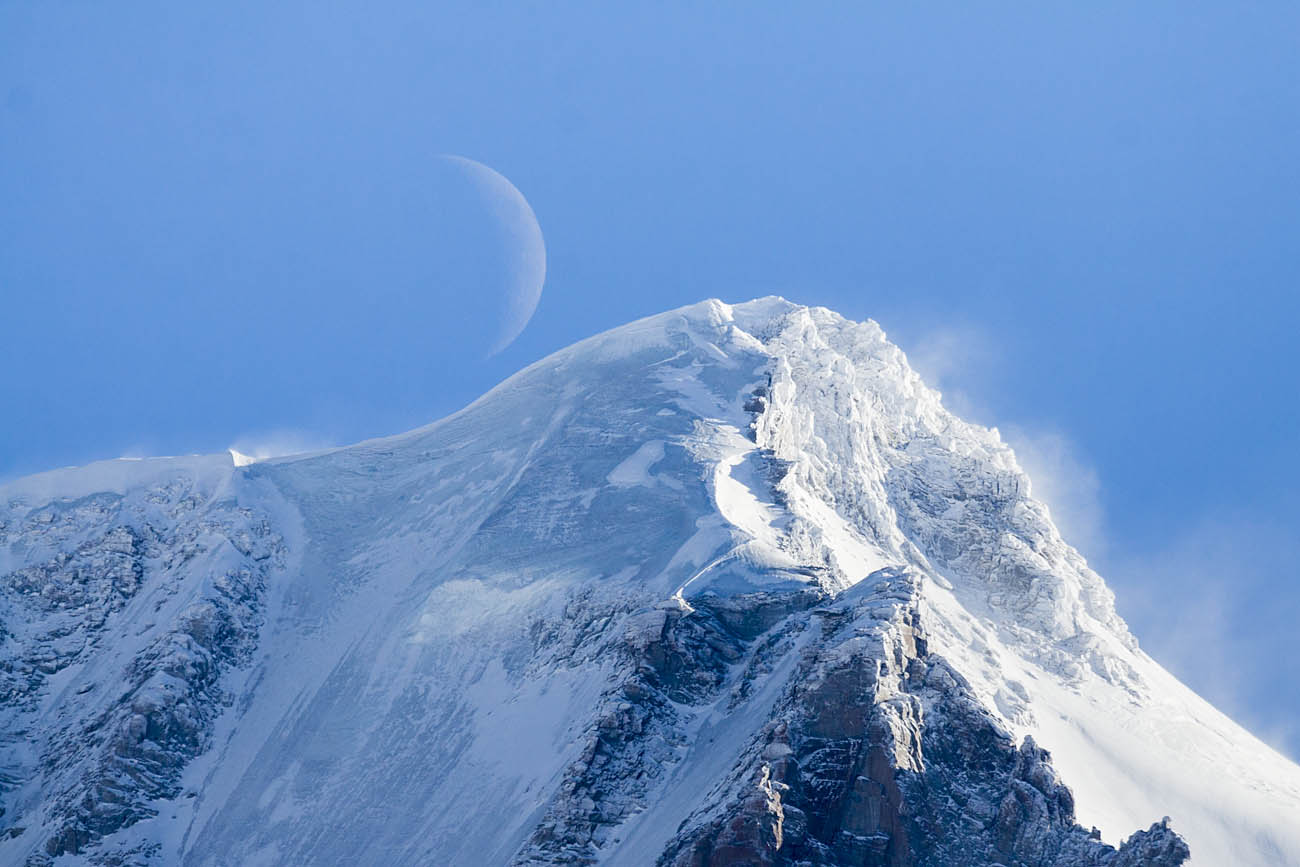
x=528 y=248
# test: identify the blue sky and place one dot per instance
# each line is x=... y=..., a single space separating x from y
x=1082 y=221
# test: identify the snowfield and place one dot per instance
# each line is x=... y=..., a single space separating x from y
x=723 y=583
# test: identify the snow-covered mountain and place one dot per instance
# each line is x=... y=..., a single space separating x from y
x=723 y=586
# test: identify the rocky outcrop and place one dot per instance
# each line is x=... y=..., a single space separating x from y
x=881 y=755
x=193 y=573
x=675 y=659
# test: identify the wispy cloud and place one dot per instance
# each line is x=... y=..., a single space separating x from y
x=1066 y=482
x=1207 y=606
x=960 y=360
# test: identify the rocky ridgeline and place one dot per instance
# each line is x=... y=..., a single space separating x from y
x=137 y=704
x=879 y=754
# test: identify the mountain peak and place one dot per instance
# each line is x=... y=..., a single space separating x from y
x=728 y=582
x=869 y=456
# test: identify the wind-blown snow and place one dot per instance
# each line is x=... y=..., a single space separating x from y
x=433 y=631
x=636 y=469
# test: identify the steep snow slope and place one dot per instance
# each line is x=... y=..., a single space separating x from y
x=724 y=583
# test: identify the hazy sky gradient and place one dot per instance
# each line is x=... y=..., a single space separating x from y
x=216 y=227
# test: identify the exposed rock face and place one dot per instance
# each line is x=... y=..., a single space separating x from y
x=727 y=586
x=880 y=755
x=673 y=659
x=193 y=573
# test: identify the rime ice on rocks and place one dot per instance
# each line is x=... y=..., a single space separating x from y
x=726 y=585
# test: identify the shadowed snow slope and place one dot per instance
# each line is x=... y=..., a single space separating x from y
x=725 y=585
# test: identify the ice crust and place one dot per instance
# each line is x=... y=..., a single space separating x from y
x=432 y=630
